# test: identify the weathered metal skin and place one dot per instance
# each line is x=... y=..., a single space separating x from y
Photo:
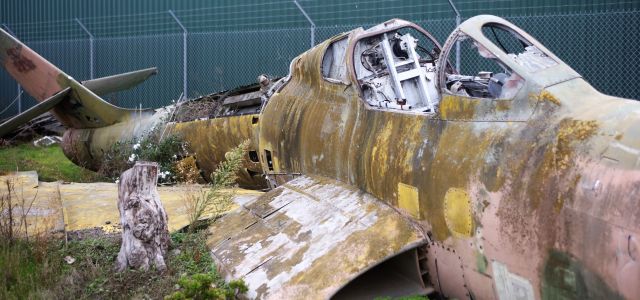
x=86 y=147
x=308 y=238
x=209 y=140
x=534 y=197
x=551 y=178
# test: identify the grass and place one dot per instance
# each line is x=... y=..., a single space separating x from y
x=25 y=269
x=37 y=269
x=49 y=162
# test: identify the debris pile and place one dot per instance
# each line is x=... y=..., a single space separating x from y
x=45 y=124
x=205 y=107
x=242 y=100
x=47 y=141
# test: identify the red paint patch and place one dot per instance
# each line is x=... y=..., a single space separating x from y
x=21 y=63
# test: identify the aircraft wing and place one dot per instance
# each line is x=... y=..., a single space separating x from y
x=313 y=236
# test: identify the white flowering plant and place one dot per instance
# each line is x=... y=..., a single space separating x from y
x=166 y=152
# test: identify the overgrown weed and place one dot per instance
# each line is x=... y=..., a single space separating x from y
x=207 y=202
x=37 y=265
x=39 y=271
x=14 y=210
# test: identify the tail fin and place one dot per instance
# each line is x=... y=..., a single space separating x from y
x=81 y=108
x=120 y=82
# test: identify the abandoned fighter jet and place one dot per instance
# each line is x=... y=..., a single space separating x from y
x=397 y=167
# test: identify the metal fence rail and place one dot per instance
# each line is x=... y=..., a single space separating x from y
x=600 y=46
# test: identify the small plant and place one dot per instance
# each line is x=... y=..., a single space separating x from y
x=27 y=254
x=14 y=209
x=216 y=198
x=199 y=279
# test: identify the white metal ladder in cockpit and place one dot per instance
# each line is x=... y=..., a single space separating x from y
x=415 y=71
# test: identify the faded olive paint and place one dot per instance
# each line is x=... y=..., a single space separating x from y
x=521 y=163
x=566 y=278
x=211 y=139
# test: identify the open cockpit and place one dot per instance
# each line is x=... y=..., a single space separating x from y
x=396 y=68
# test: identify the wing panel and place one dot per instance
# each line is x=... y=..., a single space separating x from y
x=318 y=236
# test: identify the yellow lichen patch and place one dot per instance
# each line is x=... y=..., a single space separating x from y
x=380 y=150
x=353 y=255
x=502 y=105
x=570 y=132
x=546 y=96
x=457 y=212
x=408 y=199
x=462 y=154
x=211 y=139
x=314 y=226
x=91 y=205
x=551 y=180
x=559 y=203
x=233 y=223
x=407 y=153
x=456 y=108
x=35 y=205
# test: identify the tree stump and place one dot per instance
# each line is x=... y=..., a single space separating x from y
x=145 y=233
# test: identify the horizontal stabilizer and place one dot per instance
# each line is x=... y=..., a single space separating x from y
x=116 y=83
x=33 y=112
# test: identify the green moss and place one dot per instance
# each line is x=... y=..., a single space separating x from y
x=49 y=162
x=481 y=262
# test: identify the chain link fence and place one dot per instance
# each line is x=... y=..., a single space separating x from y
x=600 y=46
